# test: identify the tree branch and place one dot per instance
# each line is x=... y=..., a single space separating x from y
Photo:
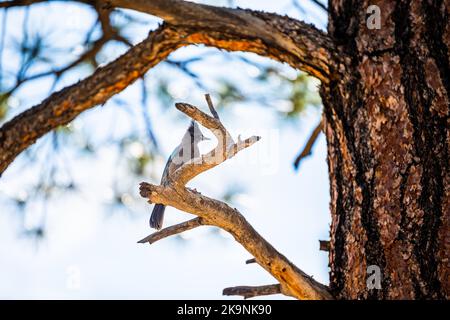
x=321 y=5
x=23 y=3
x=293 y=281
x=250 y=292
x=324 y=245
x=309 y=144
x=301 y=45
x=280 y=38
x=19 y=3
x=63 y=106
x=172 y=230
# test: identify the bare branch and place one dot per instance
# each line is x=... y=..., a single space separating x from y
x=226 y=147
x=108 y=33
x=250 y=292
x=321 y=5
x=307 y=148
x=211 y=106
x=213 y=212
x=324 y=245
x=173 y=230
x=19 y=3
x=306 y=47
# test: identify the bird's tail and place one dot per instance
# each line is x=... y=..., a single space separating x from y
x=156 y=219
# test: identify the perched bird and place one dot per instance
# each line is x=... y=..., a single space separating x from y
x=185 y=151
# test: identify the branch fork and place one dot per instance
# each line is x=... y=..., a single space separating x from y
x=292 y=281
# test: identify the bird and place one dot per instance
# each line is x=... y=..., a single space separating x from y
x=185 y=151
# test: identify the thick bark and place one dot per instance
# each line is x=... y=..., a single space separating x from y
x=302 y=43
x=386 y=123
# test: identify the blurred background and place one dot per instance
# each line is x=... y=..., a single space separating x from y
x=70 y=211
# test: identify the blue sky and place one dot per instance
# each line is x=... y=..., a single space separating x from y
x=89 y=254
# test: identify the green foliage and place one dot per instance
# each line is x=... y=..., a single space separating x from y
x=4 y=107
x=299 y=91
x=163 y=93
x=302 y=95
x=228 y=93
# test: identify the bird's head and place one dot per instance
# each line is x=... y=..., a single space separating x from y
x=195 y=133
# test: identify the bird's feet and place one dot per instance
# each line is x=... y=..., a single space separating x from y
x=194 y=191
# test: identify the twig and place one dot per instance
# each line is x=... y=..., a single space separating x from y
x=22 y=3
x=172 y=230
x=211 y=106
x=307 y=148
x=108 y=33
x=250 y=291
x=18 y=3
x=324 y=245
x=320 y=4
x=225 y=149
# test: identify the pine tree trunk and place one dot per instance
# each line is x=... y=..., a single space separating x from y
x=386 y=123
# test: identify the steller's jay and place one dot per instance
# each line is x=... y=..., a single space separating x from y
x=185 y=151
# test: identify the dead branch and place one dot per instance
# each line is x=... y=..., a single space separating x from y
x=321 y=5
x=23 y=3
x=211 y=106
x=324 y=245
x=213 y=212
x=250 y=291
x=173 y=230
x=309 y=144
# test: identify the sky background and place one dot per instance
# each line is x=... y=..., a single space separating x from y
x=89 y=250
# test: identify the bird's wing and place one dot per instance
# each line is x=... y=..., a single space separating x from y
x=170 y=164
x=179 y=157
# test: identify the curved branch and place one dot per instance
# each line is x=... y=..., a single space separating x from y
x=23 y=3
x=306 y=151
x=108 y=33
x=293 y=281
x=172 y=230
x=63 y=106
x=301 y=46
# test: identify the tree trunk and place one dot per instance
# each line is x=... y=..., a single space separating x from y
x=386 y=123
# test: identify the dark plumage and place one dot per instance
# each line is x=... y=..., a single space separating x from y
x=185 y=151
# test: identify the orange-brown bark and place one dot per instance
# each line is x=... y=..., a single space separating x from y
x=387 y=120
x=311 y=54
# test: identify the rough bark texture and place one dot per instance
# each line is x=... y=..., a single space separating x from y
x=386 y=123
